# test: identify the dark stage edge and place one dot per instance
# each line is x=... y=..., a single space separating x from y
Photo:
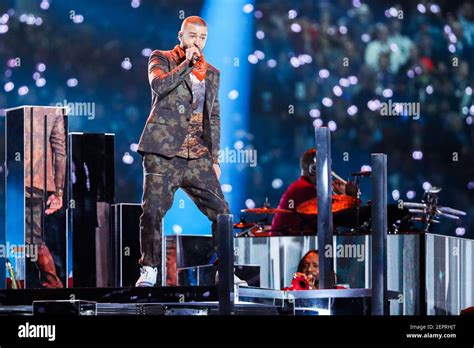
x=156 y=309
x=174 y=300
x=168 y=294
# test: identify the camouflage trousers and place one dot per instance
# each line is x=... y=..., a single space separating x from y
x=162 y=177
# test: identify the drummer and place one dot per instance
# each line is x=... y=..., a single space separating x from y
x=300 y=191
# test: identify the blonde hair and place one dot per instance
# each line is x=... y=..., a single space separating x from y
x=196 y=20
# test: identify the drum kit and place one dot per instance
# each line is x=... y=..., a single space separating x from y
x=350 y=217
x=262 y=227
x=428 y=212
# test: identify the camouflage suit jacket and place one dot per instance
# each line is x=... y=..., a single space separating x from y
x=167 y=125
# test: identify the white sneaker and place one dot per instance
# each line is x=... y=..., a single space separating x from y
x=237 y=280
x=240 y=282
x=148 y=276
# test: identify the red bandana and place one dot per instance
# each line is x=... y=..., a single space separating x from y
x=200 y=67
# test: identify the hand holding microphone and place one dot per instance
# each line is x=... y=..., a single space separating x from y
x=193 y=54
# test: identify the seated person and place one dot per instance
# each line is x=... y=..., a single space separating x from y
x=300 y=191
x=307 y=273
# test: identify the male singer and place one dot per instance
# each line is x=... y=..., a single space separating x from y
x=181 y=140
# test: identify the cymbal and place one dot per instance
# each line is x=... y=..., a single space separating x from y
x=266 y=210
x=339 y=202
x=242 y=224
x=263 y=231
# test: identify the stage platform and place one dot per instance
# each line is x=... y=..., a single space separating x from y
x=111 y=295
x=187 y=300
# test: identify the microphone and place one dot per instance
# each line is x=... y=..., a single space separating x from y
x=196 y=57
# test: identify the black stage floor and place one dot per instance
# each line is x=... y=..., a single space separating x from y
x=169 y=294
x=187 y=300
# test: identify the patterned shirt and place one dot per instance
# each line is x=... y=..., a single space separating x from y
x=193 y=145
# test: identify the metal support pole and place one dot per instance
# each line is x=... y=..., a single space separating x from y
x=379 y=234
x=45 y=173
x=422 y=275
x=69 y=196
x=31 y=177
x=225 y=240
x=324 y=191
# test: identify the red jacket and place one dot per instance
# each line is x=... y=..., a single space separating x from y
x=296 y=224
x=298 y=192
